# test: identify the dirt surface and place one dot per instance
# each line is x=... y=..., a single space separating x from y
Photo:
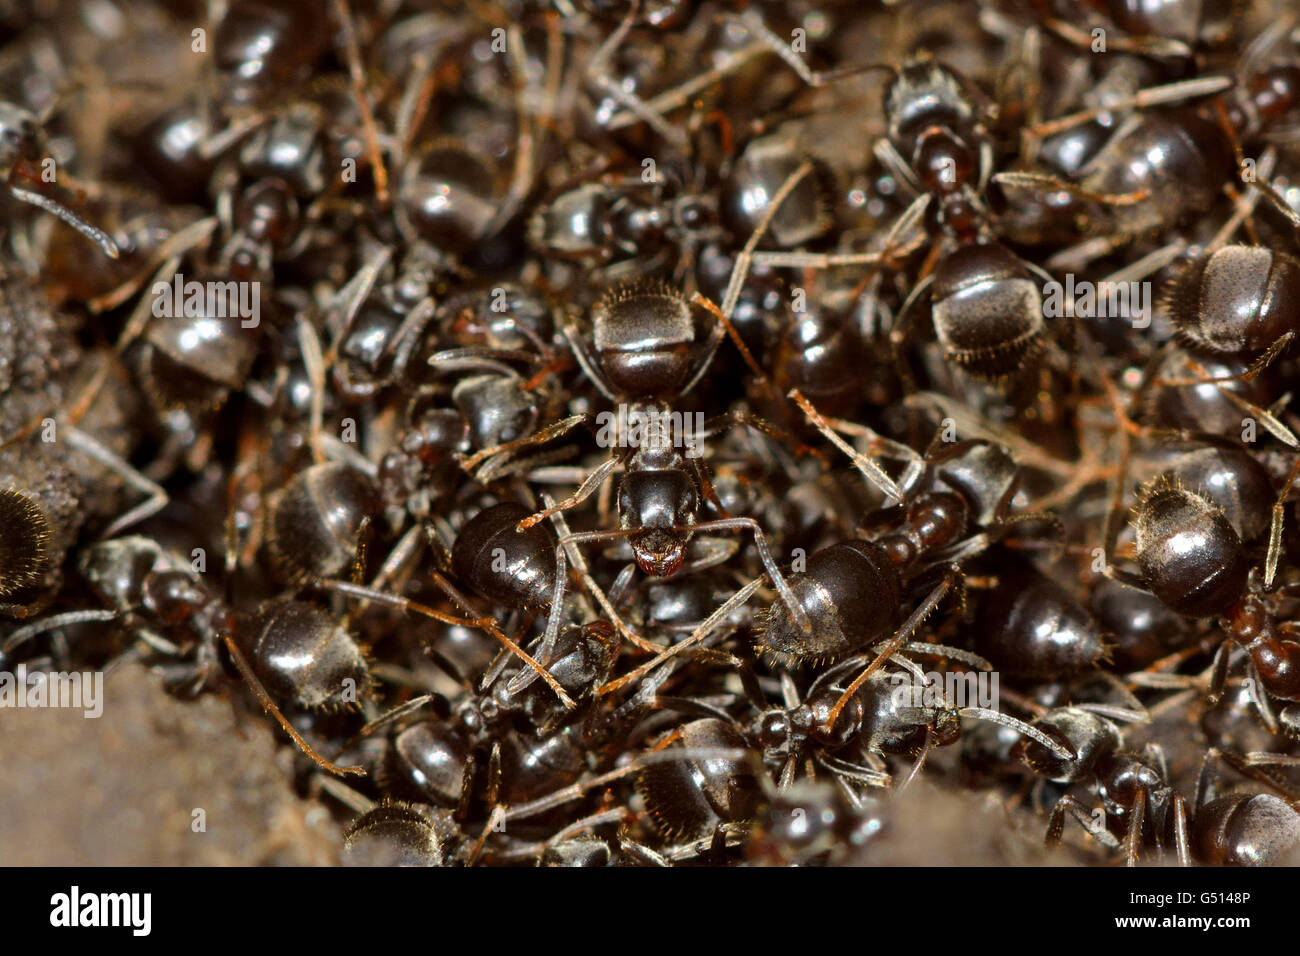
x=123 y=789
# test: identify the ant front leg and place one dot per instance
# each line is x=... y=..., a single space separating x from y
x=588 y=487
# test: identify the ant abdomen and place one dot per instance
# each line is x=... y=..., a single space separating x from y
x=1190 y=555
x=759 y=174
x=302 y=654
x=314 y=522
x=425 y=762
x=987 y=309
x=689 y=797
x=24 y=543
x=643 y=333
x=532 y=765
x=1236 y=299
x=1246 y=830
x=1233 y=479
x=822 y=354
x=511 y=567
x=1141 y=628
x=398 y=834
x=1032 y=628
x=447 y=197
x=851 y=593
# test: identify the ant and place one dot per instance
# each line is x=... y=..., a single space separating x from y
x=22 y=150
x=1191 y=557
x=645 y=354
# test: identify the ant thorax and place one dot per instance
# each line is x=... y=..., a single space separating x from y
x=647 y=426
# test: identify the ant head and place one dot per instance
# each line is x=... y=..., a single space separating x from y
x=658 y=506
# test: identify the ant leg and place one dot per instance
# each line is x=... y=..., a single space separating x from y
x=1020 y=727
x=898 y=331
x=752 y=22
x=466 y=788
x=539 y=468
x=765 y=555
x=356 y=802
x=566 y=544
x=893 y=245
x=866 y=775
x=409 y=335
x=28 y=631
x=588 y=487
x=41 y=201
x=384 y=720
x=1275 y=525
x=1153 y=96
x=1257 y=758
x=523 y=175
x=1133 y=835
x=568 y=541
x=353 y=58
x=342 y=310
x=246 y=671
x=715 y=337
x=551 y=431
x=1244 y=204
x=193 y=235
x=157 y=496
x=926 y=746
x=873 y=472
x=487 y=624
x=587 y=362
x=576 y=790
x=1143 y=46
x=680 y=95
x=1255 y=687
x=740 y=271
x=707 y=627
x=908 y=628
x=594 y=71
x=1182 y=843
x=951 y=653
x=1054 y=184
x=1256 y=772
x=313 y=361
x=1093 y=824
